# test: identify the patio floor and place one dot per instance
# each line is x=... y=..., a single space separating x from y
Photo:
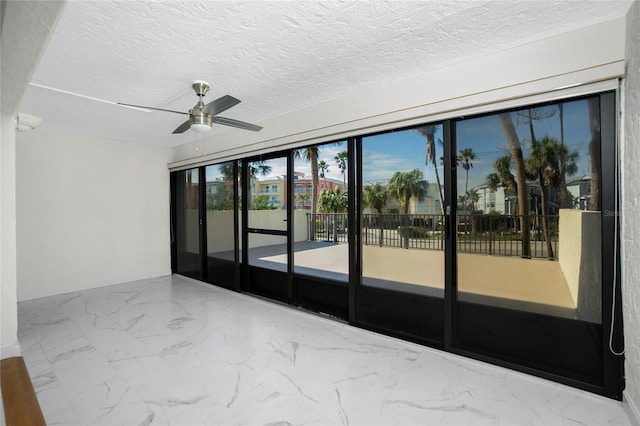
x=534 y=285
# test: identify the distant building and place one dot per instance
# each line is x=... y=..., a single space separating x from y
x=273 y=189
x=276 y=190
x=580 y=190
x=430 y=204
x=492 y=200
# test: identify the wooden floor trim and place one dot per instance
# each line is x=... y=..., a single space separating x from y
x=18 y=397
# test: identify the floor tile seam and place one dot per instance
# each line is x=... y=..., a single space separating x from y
x=456 y=358
x=130 y=388
x=66 y=398
x=404 y=343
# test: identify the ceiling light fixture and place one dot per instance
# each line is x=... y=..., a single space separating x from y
x=26 y=122
x=200 y=122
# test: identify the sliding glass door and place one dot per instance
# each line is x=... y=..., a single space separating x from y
x=529 y=230
x=187 y=223
x=402 y=233
x=266 y=214
x=491 y=236
x=320 y=228
x=222 y=224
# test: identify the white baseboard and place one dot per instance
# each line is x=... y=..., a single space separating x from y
x=631 y=408
x=10 y=350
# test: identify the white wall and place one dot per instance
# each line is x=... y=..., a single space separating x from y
x=8 y=307
x=586 y=55
x=90 y=212
x=631 y=218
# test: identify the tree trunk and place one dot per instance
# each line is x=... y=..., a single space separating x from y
x=565 y=202
x=405 y=222
x=466 y=191
x=313 y=159
x=521 y=179
x=381 y=225
x=545 y=223
x=594 y=153
x=432 y=143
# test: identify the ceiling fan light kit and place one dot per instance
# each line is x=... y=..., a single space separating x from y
x=200 y=122
x=201 y=116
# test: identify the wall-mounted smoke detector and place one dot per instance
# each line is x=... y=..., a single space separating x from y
x=26 y=122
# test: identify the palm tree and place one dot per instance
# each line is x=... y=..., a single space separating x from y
x=515 y=148
x=376 y=196
x=502 y=176
x=429 y=132
x=341 y=159
x=255 y=168
x=302 y=199
x=464 y=160
x=323 y=168
x=472 y=197
x=334 y=201
x=564 y=196
x=567 y=166
x=543 y=165
x=310 y=154
x=402 y=187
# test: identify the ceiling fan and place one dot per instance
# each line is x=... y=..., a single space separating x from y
x=201 y=116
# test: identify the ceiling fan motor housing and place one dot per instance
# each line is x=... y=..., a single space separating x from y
x=198 y=119
x=201 y=87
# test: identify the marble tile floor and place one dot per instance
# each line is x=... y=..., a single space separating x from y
x=172 y=351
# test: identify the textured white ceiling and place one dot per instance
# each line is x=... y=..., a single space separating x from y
x=274 y=56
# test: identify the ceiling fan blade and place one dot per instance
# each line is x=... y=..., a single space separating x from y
x=236 y=123
x=183 y=127
x=220 y=105
x=157 y=109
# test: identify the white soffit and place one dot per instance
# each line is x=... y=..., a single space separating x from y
x=275 y=57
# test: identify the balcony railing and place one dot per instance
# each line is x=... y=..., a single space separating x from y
x=480 y=234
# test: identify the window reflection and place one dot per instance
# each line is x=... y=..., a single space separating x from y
x=528 y=209
x=320 y=216
x=268 y=200
x=402 y=211
x=219 y=197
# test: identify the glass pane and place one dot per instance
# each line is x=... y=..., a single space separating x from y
x=268 y=202
x=528 y=212
x=219 y=196
x=402 y=216
x=188 y=223
x=320 y=228
x=268 y=251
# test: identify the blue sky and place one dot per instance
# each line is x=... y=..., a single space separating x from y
x=406 y=150
x=387 y=153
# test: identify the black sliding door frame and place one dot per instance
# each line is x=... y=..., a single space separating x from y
x=179 y=219
x=260 y=280
x=515 y=336
x=446 y=323
x=414 y=317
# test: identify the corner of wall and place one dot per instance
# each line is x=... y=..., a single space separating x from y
x=10 y=350
x=631 y=410
x=8 y=268
x=630 y=223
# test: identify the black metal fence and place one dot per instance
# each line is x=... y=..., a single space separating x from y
x=482 y=234
x=327 y=227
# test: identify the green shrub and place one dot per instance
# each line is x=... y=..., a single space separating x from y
x=414 y=232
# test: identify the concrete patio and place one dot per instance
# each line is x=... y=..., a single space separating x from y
x=532 y=285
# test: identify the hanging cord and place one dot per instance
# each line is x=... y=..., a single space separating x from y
x=616 y=169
